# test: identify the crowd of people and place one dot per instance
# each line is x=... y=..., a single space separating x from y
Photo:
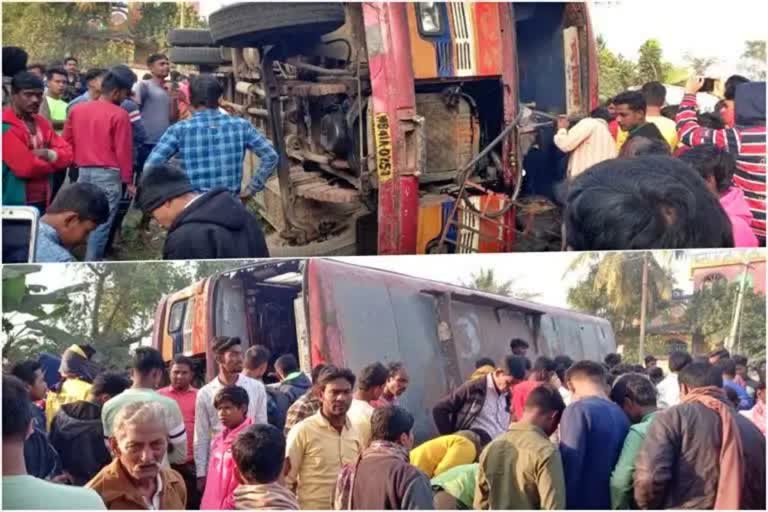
x=163 y=144
x=641 y=174
x=549 y=434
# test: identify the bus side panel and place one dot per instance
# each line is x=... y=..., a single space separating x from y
x=159 y=327
x=489 y=44
x=423 y=52
x=396 y=130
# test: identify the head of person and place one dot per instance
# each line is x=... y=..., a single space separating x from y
x=259 y=455
x=727 y=367
x=17 y=414
x=93 y=78
x=731 y=83
x=26 y=93
x=14 y=60
x=647 y=202
x=656 y=375
x=678 y=360
x=586 y=378
x=630 y=110
x=611 y=106
x=56 y=79
x=733 y=397
x=602 y=113
x=140 y=439
x=612 y=359
x=107 y=385
x=513 y=369
x=749 y=104
x=205 y=91
x=518 y=347
x=159 y=65
x=543 y=408
x=741 y=365
x=699 y=374
x=31 y=374
x=655 y=94
x=760 y=389
x=182 y=372
x=229 y=354
x=397 y=379
x=718 y=354
x=70 y=65
x=315 y=376
x=715 y=165
x=163 y=192
x=644 y=146
x=37 y=69
x=477 y=437
x=335 y=387
x=650 y=361
x=562 y=362
x=635 y=394
x=543 y=369
x=286 y=365
x=484 y=361
x=147 y=367
x=231 y=404
x=76 y=211
x=115 y=86
x=372 y=379
x=394 y=424
x=257 y=361
x=713 y=120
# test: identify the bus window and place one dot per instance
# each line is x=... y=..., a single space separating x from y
x=175 y=323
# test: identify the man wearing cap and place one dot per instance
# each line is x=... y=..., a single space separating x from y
x=101 y=136
x=213 y=225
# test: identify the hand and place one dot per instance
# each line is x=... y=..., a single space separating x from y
x=62 y=479
x=201 y=484
x=131 y=189
x=562 y=123
x=45 y=154
x=694 y=85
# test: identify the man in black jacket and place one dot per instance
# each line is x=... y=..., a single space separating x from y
x=481 y=403
x=213 y=225
x=77 y=432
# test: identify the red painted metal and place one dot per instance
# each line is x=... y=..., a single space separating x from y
x=393 y=94
x=511 y=88
x=488 y=47
x=594 y=62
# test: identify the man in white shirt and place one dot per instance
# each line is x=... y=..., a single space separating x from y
x=229 y=356
x=370 y=386
x=669 y=388
x=588 y=142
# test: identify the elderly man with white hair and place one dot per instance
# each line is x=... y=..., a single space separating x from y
x=136 y=479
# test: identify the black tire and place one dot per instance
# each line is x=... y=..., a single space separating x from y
x=190 y=37
x=196 y=56
x=253 y=24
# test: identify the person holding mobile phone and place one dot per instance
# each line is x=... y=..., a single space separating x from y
x=32 y=151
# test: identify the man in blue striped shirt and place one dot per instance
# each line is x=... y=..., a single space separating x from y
x=211 y=146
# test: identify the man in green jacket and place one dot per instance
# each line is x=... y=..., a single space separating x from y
x=522 y=468
x=636 y=395
x=455 y=489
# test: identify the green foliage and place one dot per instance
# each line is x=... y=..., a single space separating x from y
x=755 y=57
x=710 y=312
x=700 y=65
x=92 y=30
x=486 y=280
x=616 y=72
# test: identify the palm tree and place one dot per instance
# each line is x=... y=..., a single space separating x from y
x=485 y=280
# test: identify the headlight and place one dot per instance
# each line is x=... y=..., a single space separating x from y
x=430 y=21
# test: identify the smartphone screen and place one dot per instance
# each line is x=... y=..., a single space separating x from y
x=17 y=237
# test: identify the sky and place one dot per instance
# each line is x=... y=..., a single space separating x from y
x=703 y=28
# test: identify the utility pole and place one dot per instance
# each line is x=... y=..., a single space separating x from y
x=643 y=307
x=731 y=342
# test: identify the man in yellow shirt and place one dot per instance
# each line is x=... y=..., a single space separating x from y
x=445 y=452
x=78 y=371
x=655 y=95
x=320 y=445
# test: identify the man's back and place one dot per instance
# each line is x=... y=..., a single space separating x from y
x=521 y=469
x=682 y=444
x=388 y=482
x=155 y=108
x=24 y=492
x=592 y=433
x=78 y=435
x=667 y=127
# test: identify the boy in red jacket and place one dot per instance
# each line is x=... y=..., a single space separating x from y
x=32 y=151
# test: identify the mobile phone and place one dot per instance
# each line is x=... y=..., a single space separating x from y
x=19 y=233
x=709 y=85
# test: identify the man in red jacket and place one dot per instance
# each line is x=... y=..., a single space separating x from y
x=101 y=135
x=32 y=151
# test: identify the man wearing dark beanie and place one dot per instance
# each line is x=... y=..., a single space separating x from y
x=213 y=225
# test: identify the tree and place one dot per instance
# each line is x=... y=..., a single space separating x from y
x=616 y=72
x=611 y=288
x=710 y=313
x=700 y=65
x=485 y=280
x=30 y=313
x=98 y=33
x=754 y=59
x=650 y=64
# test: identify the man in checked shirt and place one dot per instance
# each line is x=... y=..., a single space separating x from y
x=211 y=146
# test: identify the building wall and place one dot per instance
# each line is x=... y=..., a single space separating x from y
x=731 y=272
